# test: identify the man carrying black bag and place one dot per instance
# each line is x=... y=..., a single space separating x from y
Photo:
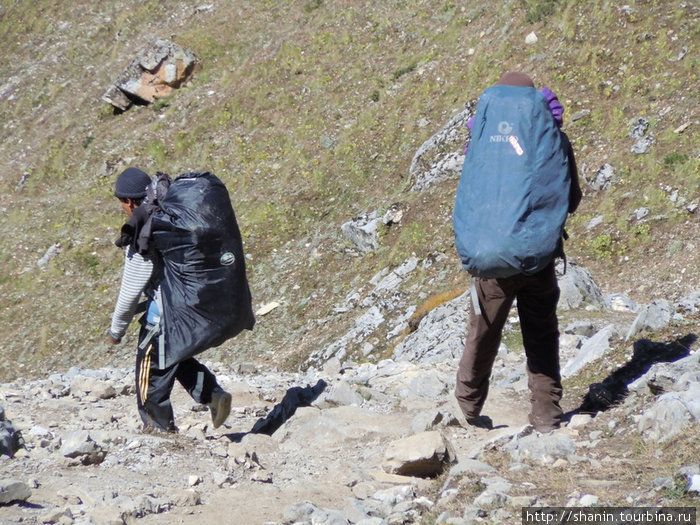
x=167 y=345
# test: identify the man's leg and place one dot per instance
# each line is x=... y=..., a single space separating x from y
x=537 y=307
x=197 y=380
x=483 y=340
x=153 y=387
x=201 y=384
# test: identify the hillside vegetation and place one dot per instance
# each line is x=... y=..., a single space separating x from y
x=311 y=111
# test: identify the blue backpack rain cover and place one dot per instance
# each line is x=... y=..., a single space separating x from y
x=513 y=194
x=204 y=290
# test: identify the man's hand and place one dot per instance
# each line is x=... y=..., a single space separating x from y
x=113 y=341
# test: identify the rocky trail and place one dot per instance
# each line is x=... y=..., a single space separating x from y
x=368 y=431
x=366 y=443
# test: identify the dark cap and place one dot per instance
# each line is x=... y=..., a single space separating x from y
x=131 y=184
x=515 y=78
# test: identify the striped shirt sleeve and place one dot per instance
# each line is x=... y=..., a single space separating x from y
x=135 y=278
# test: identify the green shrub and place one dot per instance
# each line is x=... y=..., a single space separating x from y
x=673 y=160
x=403 y=71
x=538 y=10
x=157 y=152
x=603 y=246
x=85 y=259
x=313 y=5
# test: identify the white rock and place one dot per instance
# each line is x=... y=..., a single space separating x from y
x=266 y=309
x=580 y=420
x=694 y=484
x=588 y=500
x=193 y=480
x=531 y=38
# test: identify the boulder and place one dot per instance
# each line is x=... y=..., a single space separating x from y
x=594 y=348
x=423 y=455
x=12 y=490
x=544 y=448
x=603 y=178
x=93 y=387
x=79 y=445
x=362 y=232
x=671 y=414
x=577 y=287
x=652 y=317
x=690 y=303
x=11 y=439
x=440 y=336
x=160 y=69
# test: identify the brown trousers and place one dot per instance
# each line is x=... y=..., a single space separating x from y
x=537 y=296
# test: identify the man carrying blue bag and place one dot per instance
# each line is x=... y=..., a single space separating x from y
x=518 y=183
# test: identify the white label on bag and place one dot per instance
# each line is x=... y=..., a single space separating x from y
x=516 y=145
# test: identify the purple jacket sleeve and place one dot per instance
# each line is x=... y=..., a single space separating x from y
x=555 y=107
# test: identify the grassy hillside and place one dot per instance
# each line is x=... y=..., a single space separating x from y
x=311 y=111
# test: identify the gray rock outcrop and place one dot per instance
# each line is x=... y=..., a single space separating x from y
x=441 y=156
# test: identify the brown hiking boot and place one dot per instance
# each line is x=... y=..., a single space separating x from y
x=480 y=422
x=543 y=429
x=220 y=406
x=545 y=425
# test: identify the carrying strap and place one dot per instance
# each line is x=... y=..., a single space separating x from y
x=476 y=309
x=153 y=329
x=562 y=254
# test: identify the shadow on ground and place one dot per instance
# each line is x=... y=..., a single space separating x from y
x=614 y=388
x=294 y=398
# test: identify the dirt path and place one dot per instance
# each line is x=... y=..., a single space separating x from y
x=323 y=454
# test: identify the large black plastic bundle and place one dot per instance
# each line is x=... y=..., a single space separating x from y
x=204 y=289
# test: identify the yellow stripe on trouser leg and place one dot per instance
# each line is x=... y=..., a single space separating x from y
x=144 y=374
